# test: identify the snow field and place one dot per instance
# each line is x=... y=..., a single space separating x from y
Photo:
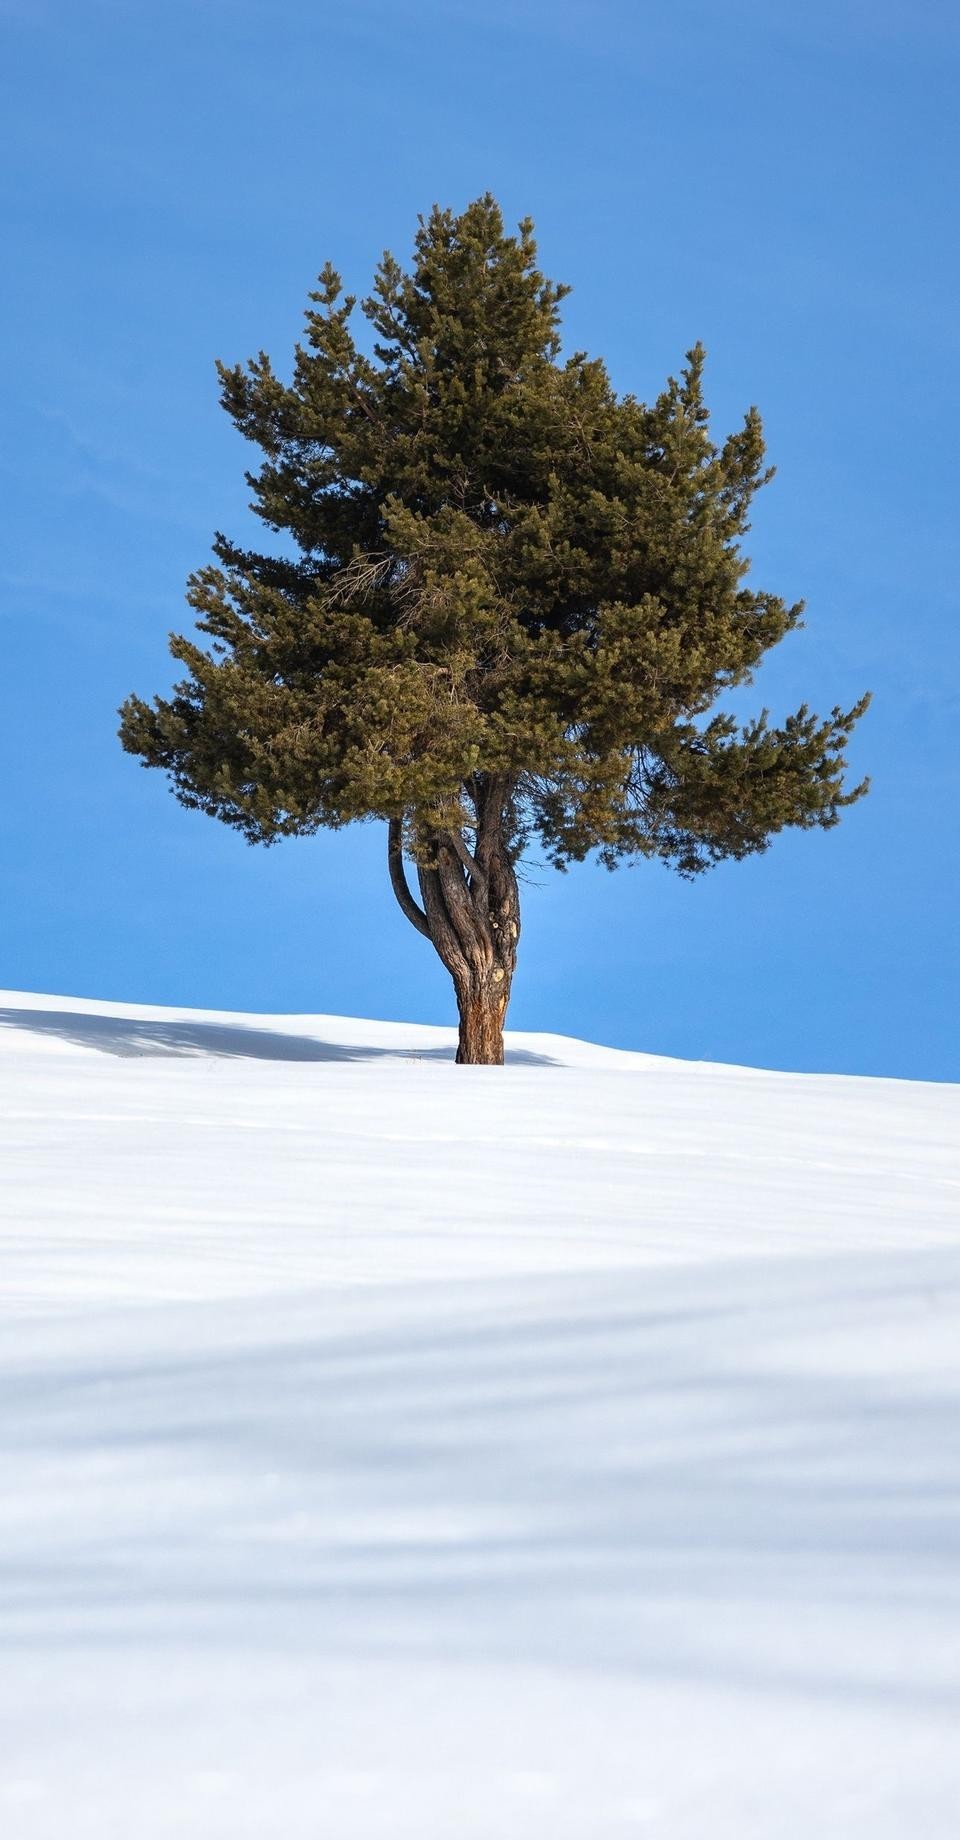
x=563 y=1452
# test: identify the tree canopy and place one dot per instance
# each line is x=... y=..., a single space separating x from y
x=512 y=600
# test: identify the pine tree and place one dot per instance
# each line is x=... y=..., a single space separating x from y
x=516 y=597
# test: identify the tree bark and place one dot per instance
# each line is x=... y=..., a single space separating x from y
x=482 y=1005
x=470 y=913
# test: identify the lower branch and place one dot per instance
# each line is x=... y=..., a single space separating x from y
x=398 y=879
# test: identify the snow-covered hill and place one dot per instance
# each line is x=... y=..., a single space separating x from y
x=563 y=1452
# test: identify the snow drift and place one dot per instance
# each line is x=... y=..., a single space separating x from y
x=561 y=1452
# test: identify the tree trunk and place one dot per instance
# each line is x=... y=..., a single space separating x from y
x=470 y=914
x=482 y=1004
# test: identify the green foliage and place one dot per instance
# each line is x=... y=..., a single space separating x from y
x=505 y=573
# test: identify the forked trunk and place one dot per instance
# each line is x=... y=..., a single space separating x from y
x=470 y=913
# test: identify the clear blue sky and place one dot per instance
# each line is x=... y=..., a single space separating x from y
x=779 y=180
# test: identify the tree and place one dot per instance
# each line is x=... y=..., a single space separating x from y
x=514 y=597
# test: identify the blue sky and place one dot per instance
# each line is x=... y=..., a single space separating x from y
x=777 y=180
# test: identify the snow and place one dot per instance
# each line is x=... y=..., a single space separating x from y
x=563 y=1452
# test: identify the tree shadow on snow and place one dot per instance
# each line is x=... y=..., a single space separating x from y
x=130 y=1037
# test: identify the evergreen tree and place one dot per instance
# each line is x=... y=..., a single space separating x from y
x=515 y=599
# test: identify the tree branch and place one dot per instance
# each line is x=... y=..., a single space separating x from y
x=443 y=934
x=489 y=795
x=466 y=912
x=398 y=880
x=469 y=862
